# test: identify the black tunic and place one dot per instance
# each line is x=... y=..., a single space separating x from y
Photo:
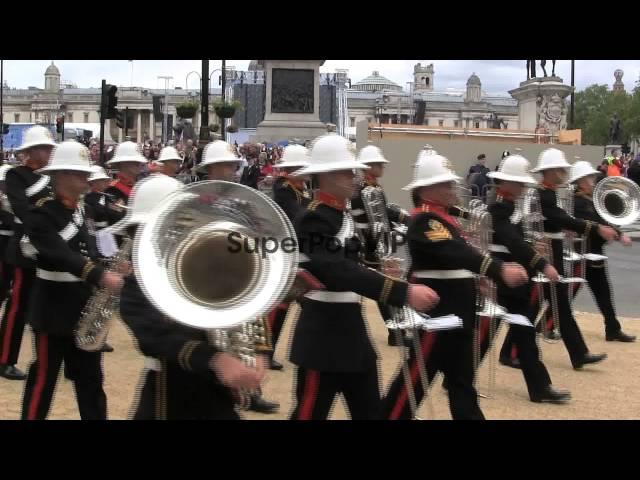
x=64 y=249
x=436 y=243
x=289 y=198
x=185 y=388
x=24 y=188
x=332 y=337
x=363 y=223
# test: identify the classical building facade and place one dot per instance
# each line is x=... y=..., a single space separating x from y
x=82 y=106
x=381 y=101
x=375 y=98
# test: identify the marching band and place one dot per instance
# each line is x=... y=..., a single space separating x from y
x=72 y=238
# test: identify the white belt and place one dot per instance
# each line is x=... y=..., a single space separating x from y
x=6 y=233
x=555 y=236
x=444 y=274
x=357 y=211
x=56 y=276
x=151 y=363
x=574 y=257
x=101 y=224
x=333 y=297
x=362 y=225
x=498 y=249
x=594 y=257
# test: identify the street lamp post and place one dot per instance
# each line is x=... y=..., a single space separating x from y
x=224 y=84
x=186 y=80
x=165 y=134
x=204 y=103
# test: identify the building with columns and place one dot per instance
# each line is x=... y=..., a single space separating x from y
x=82 y=105
x=381 y=101
x=375 y=98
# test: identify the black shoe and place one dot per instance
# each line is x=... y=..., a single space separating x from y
x=106 y=348
x=620 y=337
x=10 y=372
x=552 y=335
x=551 y=395
x=510 y=362
x=589 y=358
x=259 y=404
x=273 y=365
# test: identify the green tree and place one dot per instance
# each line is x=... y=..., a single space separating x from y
x=590 y=110
x=595 y=106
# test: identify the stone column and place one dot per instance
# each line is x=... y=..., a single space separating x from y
x=152 y=127
x=139 y=128
x=119 y=135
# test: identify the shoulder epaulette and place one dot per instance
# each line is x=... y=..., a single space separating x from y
x=42 y=201
x=313 y=204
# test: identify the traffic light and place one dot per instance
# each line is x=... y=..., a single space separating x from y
x=109 y=100
x=119 y=115
x=5 y=129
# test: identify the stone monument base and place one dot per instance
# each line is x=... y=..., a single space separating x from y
x=535 y=94
x=274 y=131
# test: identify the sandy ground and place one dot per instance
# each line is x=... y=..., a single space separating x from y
x=610 y=390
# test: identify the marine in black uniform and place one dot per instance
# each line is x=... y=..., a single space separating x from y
x=291 y=194
x=129 y=162
x=220 y=162
x=97 y=202
x=554 y=166
x=372 y=156
x=597 y=271
x=509 y=245
x=330 y=346
x=6 y=232
x=443 y=260
x=185 y=377
x=24 y=188
x=67 y=269
x=100 y=211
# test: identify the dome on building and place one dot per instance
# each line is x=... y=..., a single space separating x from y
x=52 y=70
x=473 y=80
x=375 y=83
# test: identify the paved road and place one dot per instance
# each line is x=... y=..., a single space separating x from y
x=624 y=274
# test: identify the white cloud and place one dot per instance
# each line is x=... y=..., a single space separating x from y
x=497 y=76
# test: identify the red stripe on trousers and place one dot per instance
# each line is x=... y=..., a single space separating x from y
x=311 y=383
x=271 y=318
x=11 y=318
x=534 y=294
x=534 y=299
x=425 y=348
x=41 y=375
x=484 y=328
